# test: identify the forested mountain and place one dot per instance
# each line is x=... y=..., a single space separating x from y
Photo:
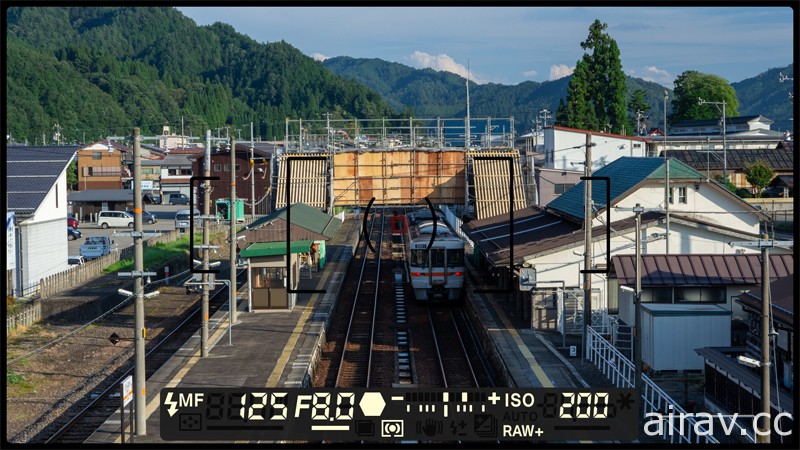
x=99 y=71
x=429 y=93
x=765 y=94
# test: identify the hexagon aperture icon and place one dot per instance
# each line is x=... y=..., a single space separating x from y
x=372 y=404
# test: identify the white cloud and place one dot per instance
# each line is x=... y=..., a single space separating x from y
x=560 y=71
x=530 y=73
x=442 y=62
x=657 y=71
x=319 y=56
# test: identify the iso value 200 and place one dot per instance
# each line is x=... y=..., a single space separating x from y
x=584 y=405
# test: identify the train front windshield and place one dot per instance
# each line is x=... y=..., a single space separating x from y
x=455 y=258
x=419 y=258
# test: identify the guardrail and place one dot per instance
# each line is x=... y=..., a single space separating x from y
x=620 y=370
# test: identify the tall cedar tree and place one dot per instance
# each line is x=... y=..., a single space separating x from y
x=599 y=86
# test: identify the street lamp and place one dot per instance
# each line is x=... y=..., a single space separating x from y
x=700 y=101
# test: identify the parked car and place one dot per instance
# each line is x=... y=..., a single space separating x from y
x=72 y=221
x=177 y=199
x=96 y=246
x=76 y=260
x=155 y=198
x=73 y=233
x=107 y=219
x=147 y=216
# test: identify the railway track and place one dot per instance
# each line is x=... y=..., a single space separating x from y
x=93 y=411
x=356 y=359
x=454 y=361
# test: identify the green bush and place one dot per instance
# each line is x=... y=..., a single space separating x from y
x=744 y=193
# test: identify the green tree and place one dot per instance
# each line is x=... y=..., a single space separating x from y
x=72 y=175
x=759 y=174
x=690 y=86
x=598 y=84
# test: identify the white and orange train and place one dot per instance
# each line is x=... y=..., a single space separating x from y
x=436 y=273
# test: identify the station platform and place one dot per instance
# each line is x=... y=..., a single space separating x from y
x=267 y=349
x=520 y=357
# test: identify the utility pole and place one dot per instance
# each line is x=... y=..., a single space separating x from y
x=637 y=301
x=587 y=246
x=765 y=244
x=206 y=254
x=252 y=176
x=700 y=101
x=232 y=212
x=138 y=288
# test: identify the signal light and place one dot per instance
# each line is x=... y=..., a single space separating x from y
x=458 y=274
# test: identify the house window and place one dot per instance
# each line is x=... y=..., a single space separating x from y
x=104 y=171
x=682 y=195
x=227 y=167
x=671 y=197
x=560 y=188
x=97 y=155
x=149 y=171
x=217 y=167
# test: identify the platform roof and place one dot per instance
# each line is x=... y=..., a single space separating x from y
x=303 y=216
x=274 y=248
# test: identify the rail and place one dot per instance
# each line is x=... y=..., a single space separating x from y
x=620 y=370
x=354 y=334
x=114 y=386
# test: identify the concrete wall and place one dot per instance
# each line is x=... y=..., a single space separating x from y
x=560 y=152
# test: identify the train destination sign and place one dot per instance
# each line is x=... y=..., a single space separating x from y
x=393 y=415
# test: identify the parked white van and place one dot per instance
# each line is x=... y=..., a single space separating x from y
x=182 y=219
x=107 y=219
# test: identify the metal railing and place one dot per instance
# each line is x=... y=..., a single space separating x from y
x=620 y=370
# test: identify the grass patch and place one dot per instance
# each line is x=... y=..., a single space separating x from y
x=13 y=377
x=156 y=256
x=17 y=385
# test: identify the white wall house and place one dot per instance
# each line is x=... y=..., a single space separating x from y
x=704 y=218
x=37 y=194
x=564 y=148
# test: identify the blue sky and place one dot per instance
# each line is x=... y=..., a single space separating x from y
x=509 y=45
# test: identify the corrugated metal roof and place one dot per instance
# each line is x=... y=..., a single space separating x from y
x=101 y=195
x=274 y=248
x=625 y=174
x=305 y=217
x=725 y=359
x=308 y=184
x=699 y=270
x=491 y=181
x=535 y=232
x=781 y=295
x=776 y=158
x=32 y=171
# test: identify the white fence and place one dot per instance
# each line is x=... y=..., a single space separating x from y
x=24 y=318
x=620 y=370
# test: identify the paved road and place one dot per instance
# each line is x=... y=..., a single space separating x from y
x=166 y=222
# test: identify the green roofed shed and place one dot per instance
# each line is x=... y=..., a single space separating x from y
x=304 y=216
x=260 y=249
